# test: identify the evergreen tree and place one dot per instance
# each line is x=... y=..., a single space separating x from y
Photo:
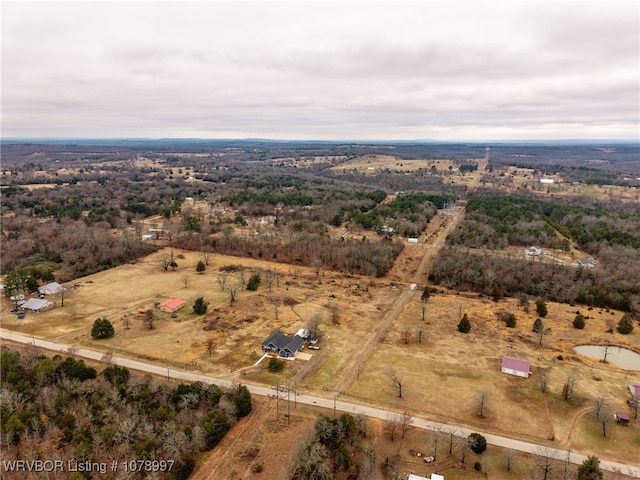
x=590 y=469
x=200 y=306
x=578 y=322
x=538 y=326
x=541 y=308
x=102 y=328
x=200 y=267
x=254 y=282
x=464 y=326
x=625 y=325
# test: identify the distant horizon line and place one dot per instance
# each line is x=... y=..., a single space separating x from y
x=539 y=141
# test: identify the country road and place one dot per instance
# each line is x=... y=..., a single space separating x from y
x=328 y=403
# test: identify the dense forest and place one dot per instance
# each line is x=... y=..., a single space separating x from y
x=497 y=222
x=55 y=408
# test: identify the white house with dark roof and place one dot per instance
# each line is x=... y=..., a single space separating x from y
x=515 y=366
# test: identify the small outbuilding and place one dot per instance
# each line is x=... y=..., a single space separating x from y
x=622 y=418
x=171 y=305
x=37 y=305
x=515 y=366
x=50 y=288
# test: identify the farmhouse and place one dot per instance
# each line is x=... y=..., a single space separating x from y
x=515 y=366
x=171 y=305
x=275 y=342
x=294 y=346
x=50 y=288
x=634 y=387
x=36 y=305
x=279 y=343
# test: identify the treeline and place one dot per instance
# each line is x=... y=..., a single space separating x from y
x=61 y=409
x=340 y=449
x=70 y=247
x=499 y=221
x=360 y=257
x=617 y=285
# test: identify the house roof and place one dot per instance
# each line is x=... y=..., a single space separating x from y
x=172 y=303
x=278 y=339
x=50 y=288
x=635 y=388
x=515 y=364
x=623 y=416
x=295 y=344
x=36 y=304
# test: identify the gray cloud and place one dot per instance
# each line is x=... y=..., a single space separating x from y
x=321 y=70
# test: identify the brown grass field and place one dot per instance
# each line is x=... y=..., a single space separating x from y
x=442 y=375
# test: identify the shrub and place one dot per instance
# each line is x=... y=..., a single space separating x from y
x=254 y=282
x=625 y=325
x=477 y=466
x=275 y=365
x=541 y=308
x=578 y=321
x=464 y=326
x=477 y=443
x=511 y=321
x=102 y=328
x=200 y=306
x=201 y=267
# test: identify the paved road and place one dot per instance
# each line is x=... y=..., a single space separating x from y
x=329 y=403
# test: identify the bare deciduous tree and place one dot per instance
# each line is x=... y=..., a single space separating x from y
x=210 y=344
x=313 y=324
x=569 y=384
x=107 y=358
x=222 y=280
x=232 y=290
x=543 y=379
x=451 y=431
x=481 y=401
x=391 y=426
x=508 y=457
x=396 y=380
x=599 y=403
x=276 y=303
x=149 y=318
x=543 y=463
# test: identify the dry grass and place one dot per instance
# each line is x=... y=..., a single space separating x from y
x=441 y=375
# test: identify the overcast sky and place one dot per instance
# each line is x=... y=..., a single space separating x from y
x=354 y=70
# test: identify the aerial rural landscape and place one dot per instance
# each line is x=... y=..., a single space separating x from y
x=354 y=240
x=343 y=272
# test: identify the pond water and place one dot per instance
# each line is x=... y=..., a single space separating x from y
x=620 y=357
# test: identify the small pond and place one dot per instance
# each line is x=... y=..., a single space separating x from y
x=620 y=357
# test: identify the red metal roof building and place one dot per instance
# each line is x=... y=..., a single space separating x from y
x=515 y=366
x=171 y=305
